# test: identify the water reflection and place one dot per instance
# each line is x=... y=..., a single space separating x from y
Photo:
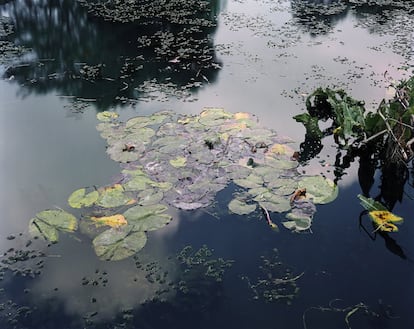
x=320 y=17
x=78 y=54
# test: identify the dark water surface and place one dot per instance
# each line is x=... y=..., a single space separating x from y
x=260 y=56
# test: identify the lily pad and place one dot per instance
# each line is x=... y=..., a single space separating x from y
x=107 y=116
x=147 y=218
x=119 y=243
x=322 y=190
x=240 y=207
x=80 y=199
x=114 y=196
x=47 y=223
x=112 y=221
x=178 y=162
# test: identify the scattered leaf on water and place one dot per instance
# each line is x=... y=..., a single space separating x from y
x=240 y=207
x=147 y=218
x=114 y=196
x=178 y=162
x=106 y=116
x=47 y=223
x=322 y=190
x=112 y=221
x=80 y=199
x=119 y=243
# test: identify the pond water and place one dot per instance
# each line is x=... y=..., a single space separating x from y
x=62 y=63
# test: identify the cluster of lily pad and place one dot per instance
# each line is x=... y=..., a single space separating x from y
x=182 y=161
x=186 y=160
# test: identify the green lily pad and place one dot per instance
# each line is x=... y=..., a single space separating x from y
x=119 y=243
x=114 y=196
x=147 y=218
x=298 y=225
x=143 y=121
x=47 y=223
x=214 y=117
x=107 y=116
x=240 y=207
x=121 y=152
x=138 y=183
x=150 y=197
x=251 y=181
x=273 y=202
x=178 y=162
x=80 y=199
x=320 y=189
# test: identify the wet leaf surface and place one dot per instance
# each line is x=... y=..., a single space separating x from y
x=47 y=223
x=119 y=243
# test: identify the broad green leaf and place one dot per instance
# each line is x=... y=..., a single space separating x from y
x=251 y=181
x=107 y=116
x=150 y=197
x=147 y=218
x=178 y=162
x=47 y=223
x=138 y=183
x=214 y=117
x=114 y=196
x=112 y=221
x=320 y=189
x=119 y=243
x=240 y=207
x=80 y=199
x=370 y=204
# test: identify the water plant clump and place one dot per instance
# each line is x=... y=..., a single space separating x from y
x=182 y=161
x=276 y=283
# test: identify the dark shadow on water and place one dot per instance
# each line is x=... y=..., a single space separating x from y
x=76 y=54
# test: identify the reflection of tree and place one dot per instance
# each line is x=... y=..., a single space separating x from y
x=320 y=16
x=68 y=43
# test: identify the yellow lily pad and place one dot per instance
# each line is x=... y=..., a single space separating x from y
x=112 y=221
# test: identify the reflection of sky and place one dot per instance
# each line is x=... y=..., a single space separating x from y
x=45 y=153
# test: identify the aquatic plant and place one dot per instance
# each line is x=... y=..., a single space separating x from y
x=382 y=218
x=183 y=161
x=276 y=282
x=381 y=140
x=348 y=311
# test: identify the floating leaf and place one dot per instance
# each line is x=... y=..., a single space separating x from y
x=214 y=116
x=149 y=197
x=240 y=207
x=112 y=221
x=383 y=219
x=370 y=204
x=106 y=116
x=119 y=243
x=178 y=162
x=301 y=215
x=251 y=181
x=114 y=196
x=119 y=151
x=281 y=149
x=47 y=223
x=80 y=199
x=322 y=190
x=147 y=218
